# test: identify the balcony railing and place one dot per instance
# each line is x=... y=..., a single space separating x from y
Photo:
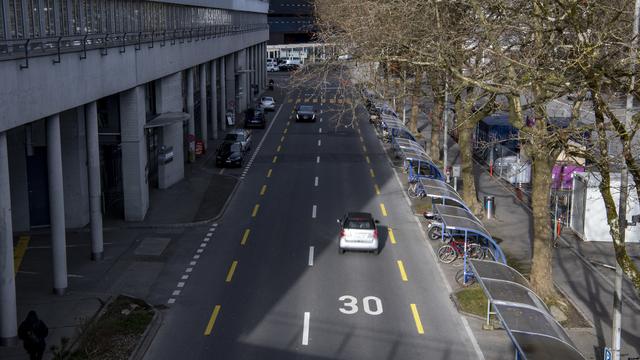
x=106 y=43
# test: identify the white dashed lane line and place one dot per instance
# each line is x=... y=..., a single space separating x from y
x=305 y=329
x=319 y=142
x=317 y=159
x=315 y=183
x=257 y=149
x=314 y=211
x=311 y=255
x=182 y=283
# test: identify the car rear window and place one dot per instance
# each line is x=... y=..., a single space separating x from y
x=364 y=224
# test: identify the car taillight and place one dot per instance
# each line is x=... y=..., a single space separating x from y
x=375 y=234
x=342 y=233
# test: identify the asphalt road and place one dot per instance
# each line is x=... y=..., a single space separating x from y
x=268 y=282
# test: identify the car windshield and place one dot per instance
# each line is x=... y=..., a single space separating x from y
x=306 y=108
x=230 y=147
x=267 y=99
x=363 y=224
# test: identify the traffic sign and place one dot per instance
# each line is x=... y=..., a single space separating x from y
x=607 y=354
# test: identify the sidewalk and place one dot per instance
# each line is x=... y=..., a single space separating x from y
x=128 y=266
x=580 y=268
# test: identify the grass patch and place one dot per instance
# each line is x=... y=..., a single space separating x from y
x=472 y=300
x=117 y=332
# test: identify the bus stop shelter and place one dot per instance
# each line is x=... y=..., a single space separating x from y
x=534 y=332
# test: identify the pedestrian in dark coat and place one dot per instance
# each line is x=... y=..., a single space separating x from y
x=32 y=332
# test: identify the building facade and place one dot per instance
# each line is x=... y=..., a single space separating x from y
x=291 y=22
x=101 y=100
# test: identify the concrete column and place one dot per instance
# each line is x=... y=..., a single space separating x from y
x=134 y=154
x=8 y=320
x=190 y=109
x=214 y=98
x=93 y=166
x=56 y=205
x=223 y=94
x=169 y=94
x=203 y=105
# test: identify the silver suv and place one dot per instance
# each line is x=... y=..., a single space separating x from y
x=358 y=231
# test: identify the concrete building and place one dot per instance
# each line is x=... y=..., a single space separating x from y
x=291 y=22
x=101 y=100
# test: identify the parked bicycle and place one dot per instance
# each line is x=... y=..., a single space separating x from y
x=416 y=190
x=454 y=249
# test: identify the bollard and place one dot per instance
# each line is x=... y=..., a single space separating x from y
x=489 y=207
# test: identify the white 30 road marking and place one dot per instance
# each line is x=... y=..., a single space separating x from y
x=305 y=329
x=313 y=212
x=310 y=255
x=316 y=182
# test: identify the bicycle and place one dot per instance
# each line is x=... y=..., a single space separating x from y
x=416 y=190
x=454 y=249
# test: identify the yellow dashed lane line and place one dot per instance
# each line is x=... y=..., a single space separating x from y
x=403 y=273
x=245 y=236
x=212 y=320
x=255 y=210
x=383 y=209
x=416 y=318
x=232 y=270
x=392 y=237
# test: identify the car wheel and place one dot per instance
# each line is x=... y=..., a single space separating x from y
x=376 y=251
x=341 y=250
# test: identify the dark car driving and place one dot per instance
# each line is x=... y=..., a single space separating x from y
x=229 y=154
x=255 y=118
x=306 y=113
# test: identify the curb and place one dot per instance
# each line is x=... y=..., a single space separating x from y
x=148 y=335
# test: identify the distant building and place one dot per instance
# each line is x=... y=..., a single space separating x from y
x=290 y=21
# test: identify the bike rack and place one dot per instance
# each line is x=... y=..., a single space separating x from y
x=105 y=50
x=84 y=47
x=124 y=43
x=152 y=38
x=164 y=38
x=139 y=44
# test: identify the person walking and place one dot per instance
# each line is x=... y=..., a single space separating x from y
x=32 y=332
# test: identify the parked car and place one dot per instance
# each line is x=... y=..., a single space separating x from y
x=268 y=103
x=240 y=135
x=358 y=231
x=254 y=118
x=305 y=113
x=272 y=68
x=230 y=153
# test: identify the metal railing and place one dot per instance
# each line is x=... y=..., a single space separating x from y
x=15 y=49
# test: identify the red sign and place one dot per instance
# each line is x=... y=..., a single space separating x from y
x=199 y=147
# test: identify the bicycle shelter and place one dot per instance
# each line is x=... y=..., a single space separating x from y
x=443 y=192
x=459 y=221
x=396 y=127
x=534 y=332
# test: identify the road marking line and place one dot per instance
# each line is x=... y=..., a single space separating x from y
x=316 y=182
x=269 y=173
x=282 y=138
x=361 y=139
x=221 y=171
x=285 y=131
x=275 y=158
x=181 y=284
x=383 y=209
x=403 y=273
x=320 y=130
x=184 y=277
x=188 y=270
x=319 y=142
x=310 y=255
x=245 y=236
x=377 y=189
x=200 y=251
x=209 y=234
x=206 y=239
x=255 y=210
x=358 y=129
x=392 y=237
x=368 y=160
x=20 y=250
x=263 y=190
x=416 y=318
x=317 y=159
x=313 y=212
x=315 y=100
x=372 y=173
x=320 y=119
x=175 y=293
x=193 y=263
x=364 y=148
x=278 y=148
x=232 y=269
x=297 y=101
x=171 y=301
x=204 y=244
x=212 y=320
x=305 y=329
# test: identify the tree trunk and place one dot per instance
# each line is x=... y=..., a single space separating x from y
x=469 y=193
x=541 y=267
x=436 y=124
x=415 y=102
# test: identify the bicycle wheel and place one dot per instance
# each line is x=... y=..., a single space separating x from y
x=475 y=251
x=411 y=191
x=460 y=278
x=434 y=232
x=447 y=254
